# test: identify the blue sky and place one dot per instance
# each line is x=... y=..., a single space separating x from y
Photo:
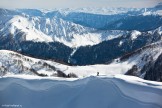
x=49 y=4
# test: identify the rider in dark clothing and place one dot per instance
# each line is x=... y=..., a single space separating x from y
x=97 y=73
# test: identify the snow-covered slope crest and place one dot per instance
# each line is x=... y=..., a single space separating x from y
x=92 y=92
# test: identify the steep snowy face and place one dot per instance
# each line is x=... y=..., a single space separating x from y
x=21 y=24
x=66 y=32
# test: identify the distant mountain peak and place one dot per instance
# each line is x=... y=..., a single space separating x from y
x=159 y=6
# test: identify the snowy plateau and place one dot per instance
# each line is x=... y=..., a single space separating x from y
x=81 y=58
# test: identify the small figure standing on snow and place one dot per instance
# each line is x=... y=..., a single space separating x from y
x=98 y=73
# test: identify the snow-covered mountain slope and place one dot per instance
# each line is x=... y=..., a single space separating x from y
x=15 y=63
x=92 y=92
x=142 y=60
x=138 y=63
x=112 y=49
x=76 y=27
x=12 y=63
x=115 y=46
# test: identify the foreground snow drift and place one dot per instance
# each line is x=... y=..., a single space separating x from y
x=92 y=92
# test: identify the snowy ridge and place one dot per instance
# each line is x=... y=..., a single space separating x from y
x=125 y=91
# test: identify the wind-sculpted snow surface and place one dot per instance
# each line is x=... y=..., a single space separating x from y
x=92 y=92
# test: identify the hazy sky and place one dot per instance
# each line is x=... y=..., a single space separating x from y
x=49 y=4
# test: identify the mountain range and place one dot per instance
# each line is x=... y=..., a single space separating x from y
x=82 y=42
